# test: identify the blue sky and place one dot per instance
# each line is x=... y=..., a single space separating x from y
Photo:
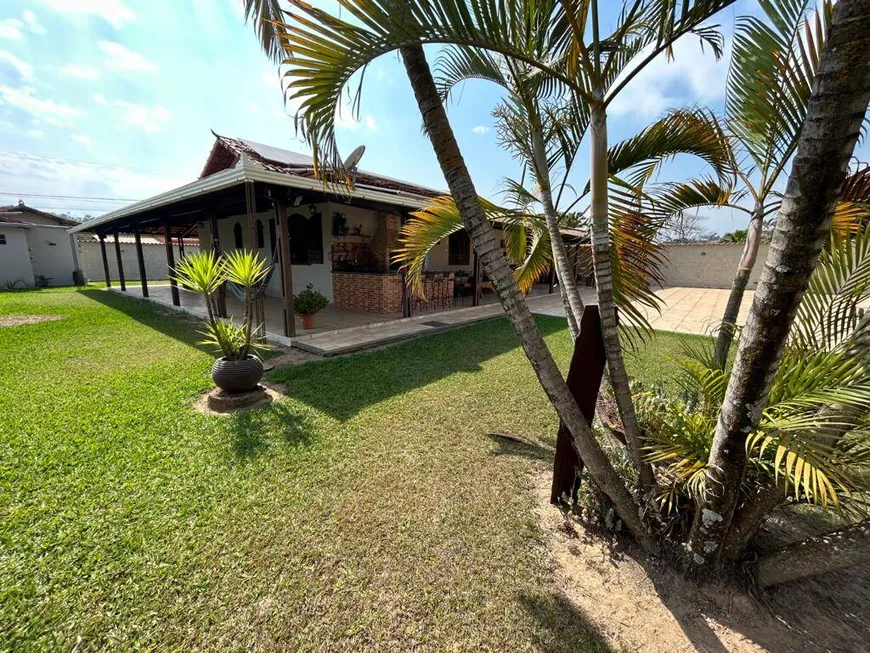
x=116 y=99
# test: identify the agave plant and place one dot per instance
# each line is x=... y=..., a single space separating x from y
x=204 y=273
x=812 y=444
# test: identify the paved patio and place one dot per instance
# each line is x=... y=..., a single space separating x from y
x=337 y=331
x=341 y=331
x=685 y=310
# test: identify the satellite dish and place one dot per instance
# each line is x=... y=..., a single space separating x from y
x=352 y=161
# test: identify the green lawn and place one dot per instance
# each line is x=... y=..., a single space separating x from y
x=368 y=509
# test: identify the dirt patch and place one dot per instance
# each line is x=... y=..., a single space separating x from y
x=273 y=391
x=20 y=320
x=643 y=604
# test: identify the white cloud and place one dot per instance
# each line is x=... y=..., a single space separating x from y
x=692 y=77
x=99 y=98
x=32 y=174
x=21 y=67
x=82 y=139
x=480 y=129
x=11 y=28
x=56 y=113
x=32 y=22
x=371 y=123
x=35 y=133
x=253 y=108
x=114 y=12
x=122 y=58
x=82 y=72
x=149 y=118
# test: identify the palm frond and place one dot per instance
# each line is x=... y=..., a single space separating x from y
x=668 y=199
x=526 y=240
x=684 y=131
x=637 y=260
x=325 y=52
x=267 y=17
x=772 y=70
x=829 y=310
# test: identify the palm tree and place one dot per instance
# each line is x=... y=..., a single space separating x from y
x=772 y=69
x=634 y=219
x=835 y=111
x=324 y=52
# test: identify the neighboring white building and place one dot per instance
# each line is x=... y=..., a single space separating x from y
x=35 y=248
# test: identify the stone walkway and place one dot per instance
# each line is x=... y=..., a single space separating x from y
x=345 y=341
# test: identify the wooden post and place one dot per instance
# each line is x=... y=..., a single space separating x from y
x=250 y=210
x=170 y=263
x=584 y=381
x=406 y=295
x=216 y=248
x=475 y=290
x=143 y=277
x=102 y=238
x=120 y=263
x=282 y=222
x=180 y=247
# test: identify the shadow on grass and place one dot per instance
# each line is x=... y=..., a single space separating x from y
x=562 y=626
x=254 y=432
x=180 y=326
x=343 y=387
x=508 y=446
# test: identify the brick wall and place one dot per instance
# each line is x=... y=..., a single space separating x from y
x=385 y=238
x=372 y=293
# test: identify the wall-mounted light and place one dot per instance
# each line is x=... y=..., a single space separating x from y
x=312 y=210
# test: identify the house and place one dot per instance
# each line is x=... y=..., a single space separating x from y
x=251 y=195
x=35 y=248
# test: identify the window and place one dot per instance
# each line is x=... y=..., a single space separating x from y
x=306 y=239
x=2 y=239
x=459 y=249
x=237 y=235
x=261 y=239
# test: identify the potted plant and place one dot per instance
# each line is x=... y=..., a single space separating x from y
x=238 y=369
x=307 y=303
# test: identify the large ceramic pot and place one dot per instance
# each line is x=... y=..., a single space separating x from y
x=308 y=321
x=237 y=376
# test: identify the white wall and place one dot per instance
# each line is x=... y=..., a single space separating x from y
x=14 y=256
x=91 y=260
x=709 y=266
x=51 y=254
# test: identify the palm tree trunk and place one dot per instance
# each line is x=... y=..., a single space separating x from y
x=844 y=548
x=560 y=255
x=738 y=287
x=573 y=327
x=836 y=109
x=749 y=518
x=496 y=266
x=601 y=260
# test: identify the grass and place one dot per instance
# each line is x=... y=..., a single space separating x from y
x=367 y=509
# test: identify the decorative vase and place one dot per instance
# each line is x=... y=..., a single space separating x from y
x=235 y=376
x=308 y=321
